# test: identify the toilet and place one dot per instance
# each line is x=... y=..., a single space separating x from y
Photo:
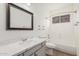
x=49 y=49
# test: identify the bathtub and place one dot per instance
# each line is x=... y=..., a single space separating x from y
x=63 y=48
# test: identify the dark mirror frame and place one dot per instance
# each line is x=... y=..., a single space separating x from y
x=8 y=23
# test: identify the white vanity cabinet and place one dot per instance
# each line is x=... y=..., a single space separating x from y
x=31 y=47
x=41 y=51
x=37 y=50
x=20 y=54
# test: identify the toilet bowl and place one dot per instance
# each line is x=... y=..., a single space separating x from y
x=49 y=48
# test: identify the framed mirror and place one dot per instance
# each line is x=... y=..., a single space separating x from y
x=18 y=18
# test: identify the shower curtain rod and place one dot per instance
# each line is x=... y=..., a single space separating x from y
x=61 y=13
x=66 y=12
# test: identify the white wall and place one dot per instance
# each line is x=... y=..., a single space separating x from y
x=76 y=28
x=62 y=33
x=15 y=35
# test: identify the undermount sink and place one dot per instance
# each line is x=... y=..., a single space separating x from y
x=27 y=42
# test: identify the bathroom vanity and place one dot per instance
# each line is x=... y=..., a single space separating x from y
x=38 y=50
x=30 y=47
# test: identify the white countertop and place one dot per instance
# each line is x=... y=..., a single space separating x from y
x=14 y=48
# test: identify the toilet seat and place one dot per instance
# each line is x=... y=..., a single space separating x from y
x=50 y=45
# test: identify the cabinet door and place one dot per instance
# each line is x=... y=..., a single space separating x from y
x=32 y=54
x=21 y=54
x=32 y=50
x=41 y=52
x=28 y=53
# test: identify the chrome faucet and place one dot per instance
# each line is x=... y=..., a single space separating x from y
x=48 y=36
